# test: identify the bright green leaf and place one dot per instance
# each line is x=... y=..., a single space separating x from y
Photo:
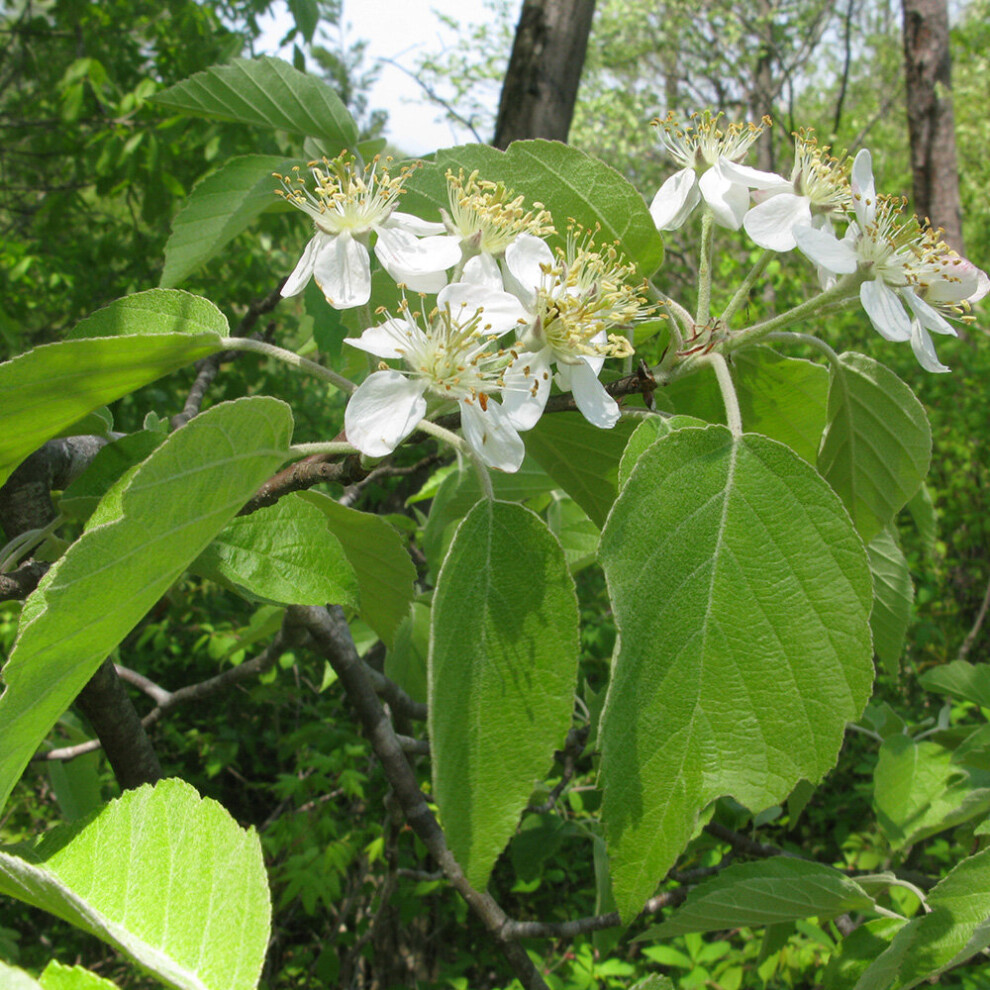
x=877 y=444
x=385 y=574
x=16 y=979
x=155 y=311
x=53 y=386
x=502 y=674
x=893 y=594
x=961 y=680
x=59 y=977
x=767 y=892
x=219 y=208
x=742 y=596
x=268 y=92
x=284 y=554
x=165 y=876
x=140 y=539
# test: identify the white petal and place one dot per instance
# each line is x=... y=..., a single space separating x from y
x=826 y=250
x=383 y=411
x=864 y=189
x=753 y=178
x=597 y=406
x=492 y=436
x=728 y=200
x=929 y=318
x=483 y=270
x=524 y=261
x=342 y=270
x=412 y=224
x=419 y=263
x=303 y=271
x=391 y=339
x=883 y=306
x=924 y=349
x=675 y=200
x=527 y=388
x=500 y=311
x=961 y=280
x=771 y=223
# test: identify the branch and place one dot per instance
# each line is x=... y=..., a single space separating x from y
x=975 y=631
x=743 y=844
x=18 y=584
x=333 y=640
x=304 y=474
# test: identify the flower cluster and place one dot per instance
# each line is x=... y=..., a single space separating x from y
x=514 y=315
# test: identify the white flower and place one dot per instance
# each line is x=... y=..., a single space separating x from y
x=910 y=276
x=817 y=191
x=703 y=149
x=572 y=300
x=349 y=204
x=451 y=353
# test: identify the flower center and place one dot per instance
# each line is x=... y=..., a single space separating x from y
x=821 y=177
x=700 y=143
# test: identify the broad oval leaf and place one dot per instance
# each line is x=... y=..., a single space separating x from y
x=766 y=892
x=646 y=434
x=55 y=385
x=219 y=208
x=957 y=927
x=742 y=595
x=385 y=574
x=143 y=535
x=154 y=311
x=569 y=183
x=165 y=876
x=284 y=554
x=961 y=680
x=268 y=92
x=877 y=444
x=893 y=594
x=502 y=675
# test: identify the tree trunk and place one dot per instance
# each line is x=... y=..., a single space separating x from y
x=541 y=83
x=931 y=126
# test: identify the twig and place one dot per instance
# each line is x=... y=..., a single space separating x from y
x=568 y=756
x=304 y=474
x=744 y=844
x=18 y=584
x=970 y=639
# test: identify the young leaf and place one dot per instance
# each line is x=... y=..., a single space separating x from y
x=165 y=876
x=961 y=680
x=581 y=458
x=502 y=674
x=59 y=977
x=957 y=928
x=877 y=445
x=268 y=92
x=52 y=386
x=742 y=595
x=219 y=208
x=154 y=311
x=569 y=183
x=767 y=892
x=893 y=594
x=919 y=789
x=142 y=536
x=284 y=554
x=385 y=574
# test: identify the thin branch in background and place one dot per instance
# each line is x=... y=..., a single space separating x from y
x=970 y=639
x=846 y=63
x=743 y=844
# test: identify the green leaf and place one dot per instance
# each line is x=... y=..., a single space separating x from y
x=140 y=539
x=957 y=928
x=569 y=183
x=857 y=951
x=767 y=892
x=922 y=510
x=97 y=423
x=385 y=574
x=782 y=398
x=581 y=458
x=155 y=311
x=219 y=208
x=284 y=554
x=268 y=92
x=893 y=594
x=648 y=431
x=919 y=789
x=877 y=445
x=742 y=594
x=165 y=876
x=16 y=979
x=961 y=680
x=502 y=674
x=59 y=977
x=406 y=660
x=578 y=535
x=53 y=386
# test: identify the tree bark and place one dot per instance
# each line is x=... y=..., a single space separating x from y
x=931 y=125
x=541 y=83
